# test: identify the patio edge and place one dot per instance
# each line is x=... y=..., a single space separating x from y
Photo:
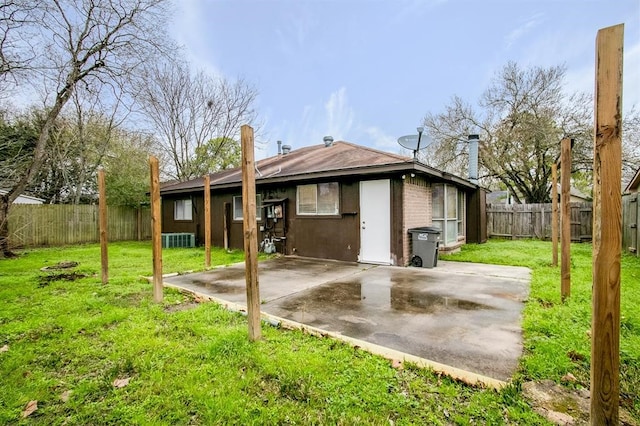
x=468 y=377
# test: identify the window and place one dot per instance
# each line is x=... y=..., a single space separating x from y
x=182 y=210
x=461 y=213
x=318 y=199
x=237 y=207
x=448 y=211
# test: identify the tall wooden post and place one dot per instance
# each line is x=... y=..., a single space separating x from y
x=607 y=228
x=250 y=232
x=565 y=198
x=102 y=207
x=554 y=213
x=207 y=222
x=156 y=230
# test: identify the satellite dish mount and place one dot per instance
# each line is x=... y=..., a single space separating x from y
x=415 y=142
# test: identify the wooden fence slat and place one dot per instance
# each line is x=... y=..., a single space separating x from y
x=37 y=225
x=534 y=221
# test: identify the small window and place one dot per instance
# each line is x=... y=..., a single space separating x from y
x=183 y=210
x=461 y=213
x=237 y=207
x=318 y=199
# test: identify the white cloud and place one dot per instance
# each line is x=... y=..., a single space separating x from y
x=190 y=29
x=339 y=116
x=522 y=30
x=382 y=140
x=333 y=117
x=294 y=34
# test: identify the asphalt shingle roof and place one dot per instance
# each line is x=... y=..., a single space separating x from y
x=341 y=157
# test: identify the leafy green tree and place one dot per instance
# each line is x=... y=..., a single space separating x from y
x=18 y=138
x=215 y=155
x=127 y=169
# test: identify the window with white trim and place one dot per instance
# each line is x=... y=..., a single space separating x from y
x=183 y=209
x=321 y=199
x=238 y=213
x=448 y=211
x=462 y=210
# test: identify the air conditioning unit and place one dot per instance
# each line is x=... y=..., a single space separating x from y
x=181 y=239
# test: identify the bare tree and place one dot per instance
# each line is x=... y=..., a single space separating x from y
x=522 y=117
x=16 y=53
x=630 y=145
x=187 y=111
x=95 y=43
x=76 y=147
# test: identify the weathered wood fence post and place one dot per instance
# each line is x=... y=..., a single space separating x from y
x=250 y=232
x=207 y=222
x=607 y=228
x=554 y=213
x=102 y=207
x=565 y=199
x=156 y=230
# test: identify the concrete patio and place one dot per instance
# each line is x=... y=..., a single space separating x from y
x=462 y=315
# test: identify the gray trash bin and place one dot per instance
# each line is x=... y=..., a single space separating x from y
x=425 y=241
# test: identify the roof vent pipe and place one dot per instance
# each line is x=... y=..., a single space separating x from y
x=286 y=149
x=328 y=141
x=473 y=158
x=279 y=147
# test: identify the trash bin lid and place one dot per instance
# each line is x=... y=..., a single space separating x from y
x=427 y=229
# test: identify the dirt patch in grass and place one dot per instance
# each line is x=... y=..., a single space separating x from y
x=65 y=264
x=45 y=280
x=564 y=406
x=181 y=306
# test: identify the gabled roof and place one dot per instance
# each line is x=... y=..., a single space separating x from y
x=633 y=185
x=317 y=162
x=23 y=198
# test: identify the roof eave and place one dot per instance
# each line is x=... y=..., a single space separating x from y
x=383 y=169
x=634 y=183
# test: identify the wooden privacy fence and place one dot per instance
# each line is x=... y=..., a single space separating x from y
x=630 y=219
x=35 y=225
x=534 y=221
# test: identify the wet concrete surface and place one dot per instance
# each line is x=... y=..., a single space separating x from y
x=460 y=314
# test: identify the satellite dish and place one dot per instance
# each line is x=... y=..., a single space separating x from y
x=409 y=142
x=415 y=142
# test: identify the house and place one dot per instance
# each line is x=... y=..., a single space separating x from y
x=24 y=199
x=500 y=197
x=335 y=201
x=631 y=215
x=575 y=195
x=505 y=197
x=634 y=184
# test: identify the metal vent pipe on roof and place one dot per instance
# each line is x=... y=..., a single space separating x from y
x=279 y=147
x=286 y=149
x=328 y=141
x=473 y=158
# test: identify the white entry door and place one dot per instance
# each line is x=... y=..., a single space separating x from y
x=375 y=221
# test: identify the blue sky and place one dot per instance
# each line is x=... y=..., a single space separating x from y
x=368 y=71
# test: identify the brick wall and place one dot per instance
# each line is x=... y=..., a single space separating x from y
x=416 y=198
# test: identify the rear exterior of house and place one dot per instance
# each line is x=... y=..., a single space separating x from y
x=341 y=201
x=631 y=216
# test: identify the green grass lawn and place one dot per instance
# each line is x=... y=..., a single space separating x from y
x=556 y=335
x=65 y=342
